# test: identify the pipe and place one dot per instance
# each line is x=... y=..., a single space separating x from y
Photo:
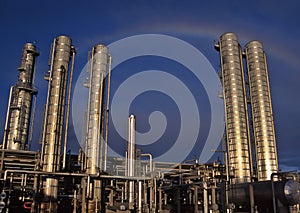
x=131 y=146
x=35 y=193
x=274 y=202
x=145 y=195
x=47 y=102
x=59 y=174
x=111 y=194
x=107 y=112
x=155 y=198
x=62 y=174
x=68 y=110
x=32 y=120
x=91 y=60
x=160 y=200
x=131 y=158
x=88 y=186
x=251 y=197
x=140 y=206
x=6 y=120
x=214 y=205
x=150 y=160
x=196 y=199
x=205 y=198
x=59 y=115
x=151 y=198
x=34 y=107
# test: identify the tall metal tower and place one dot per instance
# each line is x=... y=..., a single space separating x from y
x=18 y=117
x=262 y=113
x=54 y=120
x=236 y=112
x=95 y=143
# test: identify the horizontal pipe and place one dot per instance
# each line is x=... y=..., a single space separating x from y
x=72 y=174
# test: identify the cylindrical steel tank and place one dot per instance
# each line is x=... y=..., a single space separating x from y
x=54 y=117
x=285 y=191
x=262 y=115
x=236 y=112
x=95 y=115
x=95 y=122
x=18 y=120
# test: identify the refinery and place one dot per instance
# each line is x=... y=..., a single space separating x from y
x=52 y=180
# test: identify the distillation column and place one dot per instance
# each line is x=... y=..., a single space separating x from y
x=236 y=112
x=20 y=103
x=95 y=124
x=262 y=115
x=61 y=53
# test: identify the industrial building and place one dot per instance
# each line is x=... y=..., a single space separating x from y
x=50 y=180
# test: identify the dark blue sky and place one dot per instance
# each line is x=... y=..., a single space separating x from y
x=274 y=23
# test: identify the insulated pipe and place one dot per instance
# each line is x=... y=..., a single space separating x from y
x=19 y=112
x=45 y=121
x=6 y=120
x=107 y=112
x=32 y=121
x=68 y=110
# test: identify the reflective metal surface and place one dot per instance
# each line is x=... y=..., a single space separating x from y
x=19 y=110
x=237 y=129
x=54 y=117
x=46 y=181
x=95 y=122
x=287 y=191
x=262 y=115
x=57 y=98
x=292 y=192
x=94 y=141
x=131 y=159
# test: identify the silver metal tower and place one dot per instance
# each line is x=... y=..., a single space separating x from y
x=20 y=103
x=236 y=112
x=262 y=114
x=95 y=121
x=62 y=52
